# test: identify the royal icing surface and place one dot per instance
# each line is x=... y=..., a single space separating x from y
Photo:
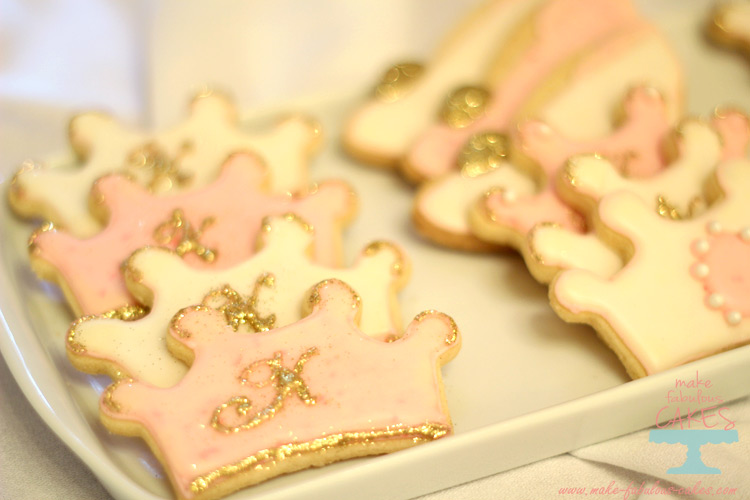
x=382 y=131
x=559 y=29
x=637 y=57
x=185 y=157
x=723 y=266
x=255 y=406
x=679 y=187
x=444 y=203
x=554 y=248
x=651 y=320
x=286 y=274
x=634 y=146
x=557 y=248
x=222 y=218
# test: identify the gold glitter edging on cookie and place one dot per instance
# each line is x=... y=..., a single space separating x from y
x=399 y=266
x=238 y=310
x=452 y=336
x=315 y=299
x=416 y=434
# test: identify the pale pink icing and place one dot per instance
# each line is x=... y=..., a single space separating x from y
x=634 y=147
x=561 y=28
x=727 y=264
x=91 y=267
x=734 y=128
x=359 y=385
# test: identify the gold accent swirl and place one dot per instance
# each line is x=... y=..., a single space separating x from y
x=285 y=381
x=179 y=229
x=464 y=105
x=482 y=153
x=397 y=81
x=240 y=311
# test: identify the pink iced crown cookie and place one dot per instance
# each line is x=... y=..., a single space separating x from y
x=253 y=406
x=212 y=227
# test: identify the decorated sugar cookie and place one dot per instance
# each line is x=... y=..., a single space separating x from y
x=214 y=227
x=254 y=406
x=185 y=157
x=730 y=25
x=410 y=95
x=698 y=266
x=555 y=33
x=442 y=206
x=552 y=247
x=265 y=291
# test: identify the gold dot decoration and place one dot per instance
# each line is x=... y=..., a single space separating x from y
x=397 y=81
x=464 y=105
x=482 y=153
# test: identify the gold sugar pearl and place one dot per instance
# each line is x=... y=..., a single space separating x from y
x=482 y=153
x=464 y=105
x=397 y=81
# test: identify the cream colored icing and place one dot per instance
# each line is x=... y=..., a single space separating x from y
x=559 y=248
x=646 y=302
x=386 y=130
x=211 y=132
x=640 y=56
x=338 y=382
x=635 y=147
x=90 y=268
x=446 y=201
x=561 y=29
x=138 y=347
x=700 y=150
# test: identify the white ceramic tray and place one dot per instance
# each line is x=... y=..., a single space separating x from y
x=525 y=386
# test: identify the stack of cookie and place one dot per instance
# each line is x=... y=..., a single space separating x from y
x=206 y=275
x=559 y=132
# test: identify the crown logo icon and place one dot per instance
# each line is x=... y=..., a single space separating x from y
x=253 y=406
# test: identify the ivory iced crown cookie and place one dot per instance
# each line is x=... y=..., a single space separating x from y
x=408 y=98
x=553 y=33
x=519 y=177
x=255 y=406
x=542 y=152
x=187 y=156
x=676 y=191
x=553 y=247
x=265 y=291
x=212 y=227
x=441 y=207
x=697 y=265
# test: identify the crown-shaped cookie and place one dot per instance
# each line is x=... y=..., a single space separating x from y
x=511 y=168
x=554 y=35
x=677 y=191
x=410 y=95
x=213 y=227
x=314 y=392
x=700 y=265
x=187 y=156
x=265 y=291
